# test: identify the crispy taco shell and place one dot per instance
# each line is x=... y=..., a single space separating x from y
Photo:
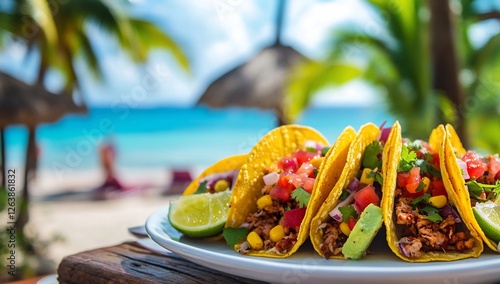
x=454 y=147
x=226 y=164
x=436 y=141
x=367 y=134
x=278 y=143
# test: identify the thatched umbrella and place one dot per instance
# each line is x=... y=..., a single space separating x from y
x=259 y=82
x=29 y=105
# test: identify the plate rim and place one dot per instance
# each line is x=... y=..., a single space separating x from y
x=343 y=267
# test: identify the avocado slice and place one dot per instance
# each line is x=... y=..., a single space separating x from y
x=364 y=231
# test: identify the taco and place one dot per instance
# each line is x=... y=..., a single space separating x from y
x=476 y=180
x=286 y=178
x=424 y=220
x=217 y=177
x=350 y=217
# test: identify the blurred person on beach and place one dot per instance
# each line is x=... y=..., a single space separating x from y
x=107 y=158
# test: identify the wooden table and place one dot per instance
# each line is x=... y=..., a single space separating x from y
x=131 y=263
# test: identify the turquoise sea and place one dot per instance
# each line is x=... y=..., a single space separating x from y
x=169 y=137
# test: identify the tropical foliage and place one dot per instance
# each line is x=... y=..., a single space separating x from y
x=398 y=61
x=59 y=31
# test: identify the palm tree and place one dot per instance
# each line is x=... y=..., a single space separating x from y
x=59 y=31
x=422 y=86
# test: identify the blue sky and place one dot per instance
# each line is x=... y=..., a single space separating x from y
x=216 y=35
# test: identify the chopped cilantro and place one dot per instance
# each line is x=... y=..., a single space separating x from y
x=371 y=157
x=311 y=149
x=202 y=188
x=315 y=171
x=377 y=175
x=324 y=150
x=434 y=217
x=422 y=198
x=234 y=235
x=408 y=158
x=429 y=209
x=301 y=196
x=347 y=211
x=345 y=193
x=474 y=188
x=427 y=168
x=420 y=186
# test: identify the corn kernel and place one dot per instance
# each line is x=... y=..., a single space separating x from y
x=438 y=201
x=345 y=229
x=254 y=240
x=264 y=201
x=364 y=176
x=221 y=185
x=276 y=233
x=426 y=181
x=316 y=162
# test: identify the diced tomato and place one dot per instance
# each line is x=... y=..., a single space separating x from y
x=494 y=167
x=365 y=196
x=402 y=179
x=285 y=182
x=413 y=180
x=289 y=165
x=293 y=218
x=475 y=166
x=280 y=193
x=435 y=159
x=306 y=168
x=351 y=222
x=309 y=184
x=304 y=156
x=437 y=188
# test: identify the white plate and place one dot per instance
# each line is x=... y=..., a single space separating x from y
x=306 y=266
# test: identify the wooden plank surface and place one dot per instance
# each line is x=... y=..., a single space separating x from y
x=131 y=263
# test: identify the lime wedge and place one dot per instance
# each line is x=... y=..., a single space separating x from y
x=488 y=217
x=200 y=215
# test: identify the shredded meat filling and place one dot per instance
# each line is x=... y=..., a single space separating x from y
x=333 y=239
x=418 y=234
x=267 y=218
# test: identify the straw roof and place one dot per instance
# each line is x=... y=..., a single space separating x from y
x=259 y=82
x=21 y=103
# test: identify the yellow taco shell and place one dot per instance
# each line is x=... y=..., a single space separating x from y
x=454 y=147
x=436 y=141
x=276 y=144
x=226 y=164
x=367 y=134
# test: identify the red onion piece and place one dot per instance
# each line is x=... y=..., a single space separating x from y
x=353 y=185
x=214 y=178
x=335 y=213
x=463 y=169
x=384 y=133
x=449 y=211
x=271 y=178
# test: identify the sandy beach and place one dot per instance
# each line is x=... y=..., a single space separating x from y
x=63 y=209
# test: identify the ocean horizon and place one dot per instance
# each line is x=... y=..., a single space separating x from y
x=170 y=137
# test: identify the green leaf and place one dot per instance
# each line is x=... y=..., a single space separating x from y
x=428 y=209
x=434 y=217
x=345 y=193
x=427 y=168
x=234 y=236
x=347 y=211
x=324 y=150
x=474 y=188
x=202 y=188
x=301 y=196
x=422 y=198
x=371 y=156
x=311 y=149
x=408 y=158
